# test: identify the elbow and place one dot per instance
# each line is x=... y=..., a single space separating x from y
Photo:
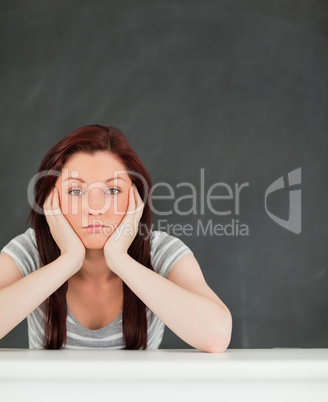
x=220 y=340
x=220 y=345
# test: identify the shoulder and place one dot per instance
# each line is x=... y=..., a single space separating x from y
x=26 y=239
x=23 y=249
x=158 y=238
x=165 y=250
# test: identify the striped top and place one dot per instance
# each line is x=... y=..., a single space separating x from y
x=165 y=251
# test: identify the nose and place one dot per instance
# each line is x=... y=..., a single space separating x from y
x=97 y=202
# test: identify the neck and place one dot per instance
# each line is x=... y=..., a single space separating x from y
x=94 y=268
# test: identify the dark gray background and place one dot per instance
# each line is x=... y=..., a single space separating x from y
x=238 y=88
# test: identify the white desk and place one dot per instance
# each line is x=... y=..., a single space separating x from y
x=281 y=374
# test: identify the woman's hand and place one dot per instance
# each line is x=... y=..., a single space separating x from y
x=123 y=236
x=61 y=230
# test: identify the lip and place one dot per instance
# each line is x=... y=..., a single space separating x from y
x=96 y=226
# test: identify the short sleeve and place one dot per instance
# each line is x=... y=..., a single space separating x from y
x=23 y=250
x=165 y=251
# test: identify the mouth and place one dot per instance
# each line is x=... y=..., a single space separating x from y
x=96 y=227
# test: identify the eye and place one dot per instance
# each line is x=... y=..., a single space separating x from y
x=72 y=192
x=115 y=189
x=76 y=191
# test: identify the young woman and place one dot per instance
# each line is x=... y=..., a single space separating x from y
x=90 y=272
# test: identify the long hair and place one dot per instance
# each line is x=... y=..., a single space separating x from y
x=90 y=139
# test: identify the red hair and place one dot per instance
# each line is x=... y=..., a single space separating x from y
x=90 y=139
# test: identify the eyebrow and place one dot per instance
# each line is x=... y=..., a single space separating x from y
x=111 y=179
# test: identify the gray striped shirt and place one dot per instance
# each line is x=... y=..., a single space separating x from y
x=165 y=251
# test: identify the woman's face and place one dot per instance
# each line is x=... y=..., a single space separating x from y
x=93 y=190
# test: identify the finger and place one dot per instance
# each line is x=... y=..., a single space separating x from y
x=47 y=204
x=140 y=204
x=138 y=208
x=55 y=202
x=131 y=207
x=47 y=200
x=52 y=203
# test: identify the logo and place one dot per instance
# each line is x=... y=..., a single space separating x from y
x=294 y=222
x=222 y=200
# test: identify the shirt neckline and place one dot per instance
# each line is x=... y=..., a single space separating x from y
x=93 y=331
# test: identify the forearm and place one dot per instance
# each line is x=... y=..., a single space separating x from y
x=197 y=320
x=22 y=297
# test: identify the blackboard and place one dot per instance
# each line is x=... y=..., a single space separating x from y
x=233 y=92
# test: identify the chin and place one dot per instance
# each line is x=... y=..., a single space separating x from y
x=95 y=242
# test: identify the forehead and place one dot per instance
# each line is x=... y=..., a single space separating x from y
x=99 y=164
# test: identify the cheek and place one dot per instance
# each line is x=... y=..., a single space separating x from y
x=116 y=206
x=70 y=206
x=122 y=205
